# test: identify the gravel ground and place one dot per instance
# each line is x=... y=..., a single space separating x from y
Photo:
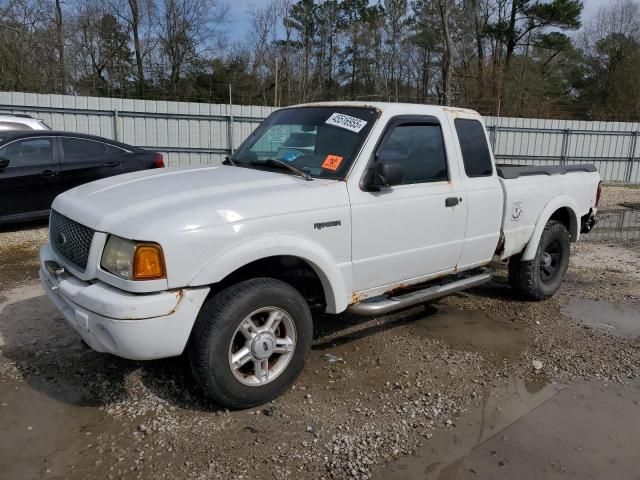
x=19 y=253
x=372 y=390
x=614 y=195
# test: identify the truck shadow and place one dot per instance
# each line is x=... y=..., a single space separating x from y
x=42 y=350
x=335 y=330
x=38 y=347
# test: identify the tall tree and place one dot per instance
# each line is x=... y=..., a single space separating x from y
x=426 y=37
x=135 y=19
x=104 y=42
x=186 y=28
x=302 y=19
x=607 y=79
x=528 y=18
x=396 y=25
x=60 y=44
x=328 y=18
x=443 y=8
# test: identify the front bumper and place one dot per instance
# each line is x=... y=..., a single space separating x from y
x=129 y=325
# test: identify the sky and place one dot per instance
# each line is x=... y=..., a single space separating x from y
x=240 y=18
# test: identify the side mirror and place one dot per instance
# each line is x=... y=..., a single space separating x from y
x=4 y=163
x=384 y=175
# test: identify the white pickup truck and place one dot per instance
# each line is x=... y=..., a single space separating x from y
x=367 y=207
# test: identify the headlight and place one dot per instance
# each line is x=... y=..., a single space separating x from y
x=133 y=260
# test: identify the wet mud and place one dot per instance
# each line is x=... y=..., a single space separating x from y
x=617 y=319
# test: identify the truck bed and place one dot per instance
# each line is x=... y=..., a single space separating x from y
x=533 y=193
x=516 y=171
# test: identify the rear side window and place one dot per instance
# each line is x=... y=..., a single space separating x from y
x=475 y=151
x=111 y=150
x=419 y=149
x=80 y=149
x=28 y=153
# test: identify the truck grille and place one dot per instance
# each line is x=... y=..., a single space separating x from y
x=70 y=239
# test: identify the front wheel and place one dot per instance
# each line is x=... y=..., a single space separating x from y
x=250 y=341
x=541 y=277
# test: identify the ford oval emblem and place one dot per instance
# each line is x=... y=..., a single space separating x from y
x=516 y=211
x=62 y=239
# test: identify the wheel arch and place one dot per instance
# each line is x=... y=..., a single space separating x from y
x=562 y=209
x=260 y=255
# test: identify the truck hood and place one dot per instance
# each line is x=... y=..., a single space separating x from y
x=140 y=204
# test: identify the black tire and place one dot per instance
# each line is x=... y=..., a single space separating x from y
x=216 y=327
x=537 y=279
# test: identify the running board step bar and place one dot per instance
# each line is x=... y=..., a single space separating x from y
x=389 y=304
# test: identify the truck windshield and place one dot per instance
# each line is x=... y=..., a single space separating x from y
x=320 y=141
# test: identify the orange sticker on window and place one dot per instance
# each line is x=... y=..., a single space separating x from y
x=332 y=162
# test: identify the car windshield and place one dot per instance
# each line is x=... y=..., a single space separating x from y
x=319 y=141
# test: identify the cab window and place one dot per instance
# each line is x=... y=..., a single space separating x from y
x=419 y=148
x=475 y=150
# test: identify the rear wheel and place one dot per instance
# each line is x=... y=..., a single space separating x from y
x=541 y=277
x=250 y=342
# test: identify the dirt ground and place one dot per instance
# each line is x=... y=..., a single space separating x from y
x=375 y=392
x=613 y=195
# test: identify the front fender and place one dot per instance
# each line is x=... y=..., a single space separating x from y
x=331 y=274
x=563 y=201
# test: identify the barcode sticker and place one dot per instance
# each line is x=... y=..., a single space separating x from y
x=345 y=121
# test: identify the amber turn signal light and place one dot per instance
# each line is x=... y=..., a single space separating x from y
x=148 y=262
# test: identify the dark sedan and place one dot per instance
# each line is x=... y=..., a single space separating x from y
x=36 y=166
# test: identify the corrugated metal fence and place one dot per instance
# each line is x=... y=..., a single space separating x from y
x=611 y=146
x=187 y=133
x=200 y=133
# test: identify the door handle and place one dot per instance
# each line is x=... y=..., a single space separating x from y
x=111 y=164
x=452 y=201
x=48 y=173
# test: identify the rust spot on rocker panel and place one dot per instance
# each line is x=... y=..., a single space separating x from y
x=500 y=247
x=357 y=297
x=400 y=288
x=397 y=289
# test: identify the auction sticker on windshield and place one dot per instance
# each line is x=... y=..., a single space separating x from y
x=332 y=162
x=345 y=121
x=276 y=135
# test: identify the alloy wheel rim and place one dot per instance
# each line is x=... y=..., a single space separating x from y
x=549 y=261
x=262 y=346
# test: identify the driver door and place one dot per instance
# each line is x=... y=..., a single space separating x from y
x=412 y=231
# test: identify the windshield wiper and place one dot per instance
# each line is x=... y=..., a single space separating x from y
x=229 y=161
x=280 y=163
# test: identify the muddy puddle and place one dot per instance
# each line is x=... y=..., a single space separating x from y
x=43 y=437
x=616 y=224
x=444 y=456
x=19 y=261
x=19 y=265
x=621 y=320
x=473 y=330
x=551 y=433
